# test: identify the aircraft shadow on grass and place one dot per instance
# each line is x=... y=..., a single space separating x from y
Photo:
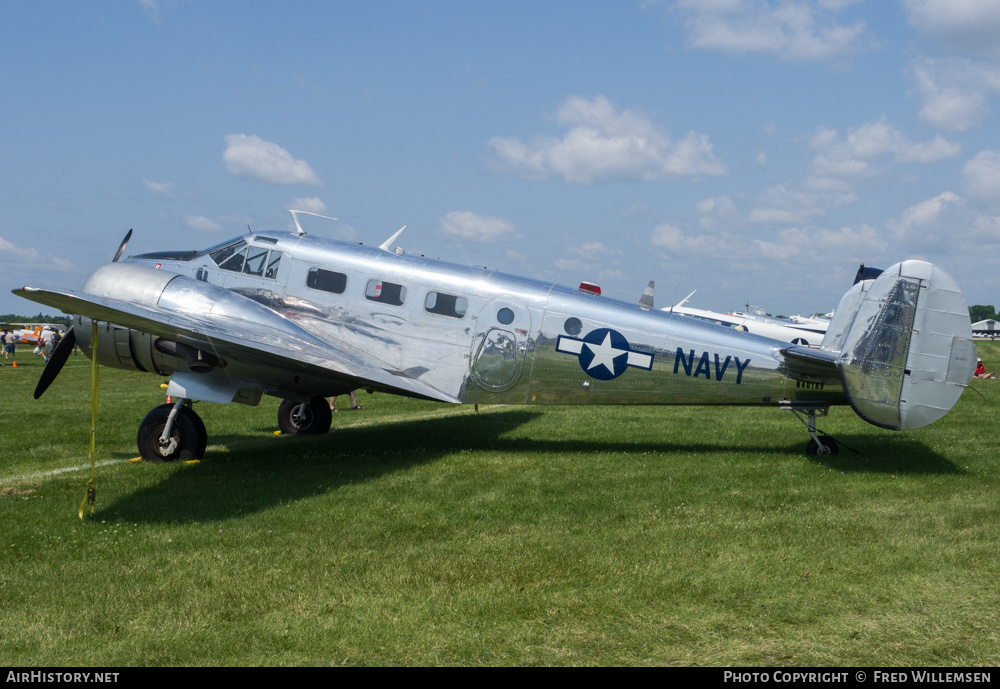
x=261 y=475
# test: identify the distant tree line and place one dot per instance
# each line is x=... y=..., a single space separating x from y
x=39 y=318
x=979 y=312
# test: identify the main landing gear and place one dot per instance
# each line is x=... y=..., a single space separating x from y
x=174 y=431
x=171 y=432
x=311 y=418
x=807 y=412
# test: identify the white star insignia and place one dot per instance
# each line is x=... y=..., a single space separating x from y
x=605 y=354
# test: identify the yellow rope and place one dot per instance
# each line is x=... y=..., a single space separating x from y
x=91 y=496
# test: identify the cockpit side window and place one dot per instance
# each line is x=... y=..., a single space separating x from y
x=272 y=265
x=256 y=260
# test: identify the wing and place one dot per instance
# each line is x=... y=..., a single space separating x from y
x=234 y=327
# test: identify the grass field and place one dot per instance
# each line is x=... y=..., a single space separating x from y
x=424 y=534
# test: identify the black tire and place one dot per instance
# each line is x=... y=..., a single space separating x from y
x=200 y=429
x=829 y=445
x=189 y=438
x=316 y=418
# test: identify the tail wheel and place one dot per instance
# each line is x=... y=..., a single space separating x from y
x=187 y=440
x=298 y=417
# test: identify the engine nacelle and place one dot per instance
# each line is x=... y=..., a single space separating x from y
x=119 y=347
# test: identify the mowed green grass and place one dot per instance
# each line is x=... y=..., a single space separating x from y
x=425 y=534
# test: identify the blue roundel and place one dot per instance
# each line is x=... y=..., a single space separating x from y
x=604 y=354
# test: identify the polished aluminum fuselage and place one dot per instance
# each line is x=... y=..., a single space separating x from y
x=517 y=341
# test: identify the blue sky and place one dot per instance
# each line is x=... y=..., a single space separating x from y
x=754 y=150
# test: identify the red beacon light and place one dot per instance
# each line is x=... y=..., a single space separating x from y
x=590 y=288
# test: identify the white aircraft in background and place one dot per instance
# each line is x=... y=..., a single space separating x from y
x=798 y=330
x=808 y=331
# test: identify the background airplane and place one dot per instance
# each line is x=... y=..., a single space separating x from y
x=803 y=331
x=303 y=318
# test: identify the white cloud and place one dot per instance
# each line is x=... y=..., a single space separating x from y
x=716 y=211
x=152 y=9
x=31 y=258
x=966 y=25
x=981 y=176
x=604 y=144
x=254 y=157
x=847 y=243
x=928 y=211
x=313 y=205
x=678 y=243
x=201 y=223
x=346 y=233
x=468 y=226
x=849 y=158
x=785 y=204
x=591 y=261
x=798 y=31
x=162 y=188
x=955 y=91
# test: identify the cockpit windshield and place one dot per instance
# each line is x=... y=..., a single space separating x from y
x=220 y=252
x=238 y=256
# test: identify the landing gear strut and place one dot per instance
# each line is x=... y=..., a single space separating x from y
x=806 y=412
x=171 y=432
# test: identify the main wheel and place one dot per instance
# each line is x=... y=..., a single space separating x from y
x=830 y=447
x=312 y=418
x=188 y=439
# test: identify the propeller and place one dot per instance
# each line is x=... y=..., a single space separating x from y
x=121 y=247
x=56 y=362
x=66 y=345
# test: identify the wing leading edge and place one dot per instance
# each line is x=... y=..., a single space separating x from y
x=256 y=336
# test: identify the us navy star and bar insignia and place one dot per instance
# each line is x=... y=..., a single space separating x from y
x=604 y=353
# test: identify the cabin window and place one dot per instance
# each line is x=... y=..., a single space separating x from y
x=505 y=316
x=326 y=280
x=446 y=304
x=573 y=326
x=256 y=260
x=385 y=292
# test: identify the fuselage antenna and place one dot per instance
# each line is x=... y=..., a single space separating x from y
x=298 y=227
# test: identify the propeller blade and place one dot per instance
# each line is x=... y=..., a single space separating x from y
x=56 y=361
x=121 y=247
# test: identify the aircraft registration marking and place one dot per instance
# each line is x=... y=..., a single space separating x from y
x=604 y=353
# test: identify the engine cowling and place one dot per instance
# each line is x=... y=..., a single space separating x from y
x=119 y=347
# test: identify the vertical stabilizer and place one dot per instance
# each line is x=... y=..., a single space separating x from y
x=905 y=343
x=646 y=300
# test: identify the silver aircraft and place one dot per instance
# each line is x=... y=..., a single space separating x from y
x=301 y=318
